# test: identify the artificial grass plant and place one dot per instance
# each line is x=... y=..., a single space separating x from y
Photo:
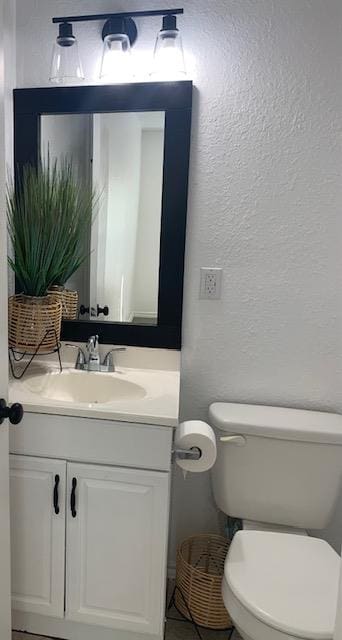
x=49 y=217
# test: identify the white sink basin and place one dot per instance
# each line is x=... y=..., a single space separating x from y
x=83 y=387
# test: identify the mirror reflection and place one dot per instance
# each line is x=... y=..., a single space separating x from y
x=121 y=156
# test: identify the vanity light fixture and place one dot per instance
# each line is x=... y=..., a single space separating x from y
x=119 y=35
x=66 y=64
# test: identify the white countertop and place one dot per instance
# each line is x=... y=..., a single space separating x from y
x=159 y=405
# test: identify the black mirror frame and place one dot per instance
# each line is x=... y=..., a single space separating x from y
x=175 y=98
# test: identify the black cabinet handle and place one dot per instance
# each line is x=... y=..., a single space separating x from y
x=55 y=495
x=73 y=498
x=15 y=412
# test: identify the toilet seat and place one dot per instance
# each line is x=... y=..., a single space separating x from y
x=286 y=583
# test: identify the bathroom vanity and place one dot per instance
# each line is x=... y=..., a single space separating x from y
x=90 y=506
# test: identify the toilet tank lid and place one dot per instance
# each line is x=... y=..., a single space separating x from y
x=277 y=422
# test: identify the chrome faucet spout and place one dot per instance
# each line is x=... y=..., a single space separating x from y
x=94 y=363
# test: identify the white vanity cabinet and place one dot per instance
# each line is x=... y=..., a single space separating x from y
x=96 y=561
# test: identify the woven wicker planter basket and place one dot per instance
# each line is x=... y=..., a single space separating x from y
x=30 y=319
x=70 y=304
x=69 y=300
x=199 y=571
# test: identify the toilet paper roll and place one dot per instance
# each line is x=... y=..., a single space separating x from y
x=195 y=433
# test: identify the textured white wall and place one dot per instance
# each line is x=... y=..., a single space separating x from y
x=265 y=202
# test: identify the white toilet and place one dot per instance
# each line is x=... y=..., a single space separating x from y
x=280 y=471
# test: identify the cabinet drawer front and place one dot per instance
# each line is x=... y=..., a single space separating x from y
x=116 y=548
x=37 y=534
x=99 y=441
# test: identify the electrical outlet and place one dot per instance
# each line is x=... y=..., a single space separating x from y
x=210 y=283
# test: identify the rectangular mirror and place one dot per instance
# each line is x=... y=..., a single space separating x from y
x=131 y=144
x=122 y=156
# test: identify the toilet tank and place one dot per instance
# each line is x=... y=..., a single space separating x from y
x=285 y=468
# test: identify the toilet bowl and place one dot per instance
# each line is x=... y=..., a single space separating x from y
x=280 y=586
x=279 y=471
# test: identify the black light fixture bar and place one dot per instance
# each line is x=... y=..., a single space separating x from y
x=125 y=14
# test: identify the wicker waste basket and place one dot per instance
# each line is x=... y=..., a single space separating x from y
x=199 y=571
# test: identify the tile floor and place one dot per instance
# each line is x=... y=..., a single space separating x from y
x=177 y=628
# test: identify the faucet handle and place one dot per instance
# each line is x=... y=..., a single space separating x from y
x=108 y=359
x=81 y=358
x=112 y=351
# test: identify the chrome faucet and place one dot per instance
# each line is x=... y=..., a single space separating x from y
x=90 y=361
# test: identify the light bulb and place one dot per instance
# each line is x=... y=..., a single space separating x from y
x=66 y=64
x=116 y=65
x=168 y=59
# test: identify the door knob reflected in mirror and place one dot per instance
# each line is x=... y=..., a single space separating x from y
x=93 y=313
x=104 y=310
x=83 y=310
x=14 y=413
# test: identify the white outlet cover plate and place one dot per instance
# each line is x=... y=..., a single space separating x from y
x=210 y=283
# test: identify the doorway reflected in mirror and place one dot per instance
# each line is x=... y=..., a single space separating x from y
x=121 y=155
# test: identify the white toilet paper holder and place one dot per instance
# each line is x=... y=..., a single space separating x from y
x=194 y=453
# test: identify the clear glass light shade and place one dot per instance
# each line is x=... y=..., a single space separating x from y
x=168 y=59
x=66 y=64
x=116 y=65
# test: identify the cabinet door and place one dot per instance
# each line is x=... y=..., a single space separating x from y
x=37 y=534
x=116 y=547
